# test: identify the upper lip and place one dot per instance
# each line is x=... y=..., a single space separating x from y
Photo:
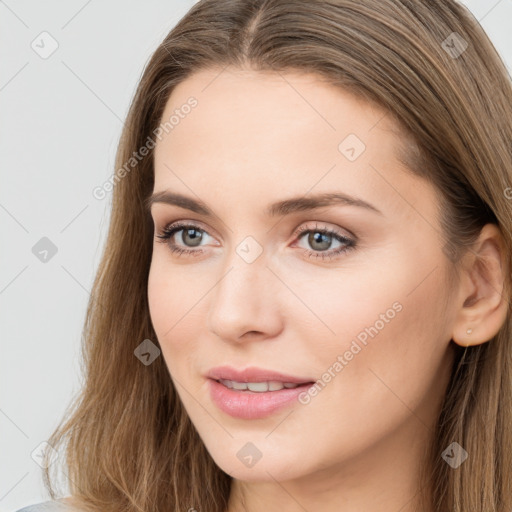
x=254 y=374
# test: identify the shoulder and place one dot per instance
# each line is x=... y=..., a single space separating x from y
x=48 y=506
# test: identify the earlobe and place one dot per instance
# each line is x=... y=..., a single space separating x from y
x=483 y=293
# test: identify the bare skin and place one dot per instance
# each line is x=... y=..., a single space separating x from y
x=253 y=140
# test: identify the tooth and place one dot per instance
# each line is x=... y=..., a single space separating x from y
x=239 y=385
x=257 y=386
x=275 y=385
x=227 y=383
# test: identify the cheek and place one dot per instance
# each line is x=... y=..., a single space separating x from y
x=382 y=331
x=161 y=301
x=405 y=365
x=174 y=305
x=393 y=367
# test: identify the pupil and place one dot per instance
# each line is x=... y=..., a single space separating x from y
x=196 y=239
x=317 y=237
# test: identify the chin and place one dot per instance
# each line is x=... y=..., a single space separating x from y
x=269 y=467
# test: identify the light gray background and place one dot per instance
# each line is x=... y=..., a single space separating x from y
x=60 y=124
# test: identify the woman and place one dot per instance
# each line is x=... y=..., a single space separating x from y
x=304 y=299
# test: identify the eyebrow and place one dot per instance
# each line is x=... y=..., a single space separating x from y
x=280 y=208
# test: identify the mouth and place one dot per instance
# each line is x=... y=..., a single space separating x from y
x=253 y=392
x=255 y=400
x=255 y=379
x=260 y=387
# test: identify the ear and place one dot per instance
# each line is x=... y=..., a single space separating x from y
x=483 y=295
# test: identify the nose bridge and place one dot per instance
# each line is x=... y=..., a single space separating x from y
x=243 y=299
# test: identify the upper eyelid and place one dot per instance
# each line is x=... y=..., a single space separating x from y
x=298 y=232
x=183 y=224
x=335 y=230
x=199 y=223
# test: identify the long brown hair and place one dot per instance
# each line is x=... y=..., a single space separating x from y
x=128 y=442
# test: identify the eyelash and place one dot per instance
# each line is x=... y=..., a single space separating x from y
x=166 y=234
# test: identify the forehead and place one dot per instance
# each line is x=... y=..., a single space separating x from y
x=260 y=112
x=259 y=134
x=266 y=102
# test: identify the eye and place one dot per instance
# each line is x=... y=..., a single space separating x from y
x=320 y=239
x=191 y=234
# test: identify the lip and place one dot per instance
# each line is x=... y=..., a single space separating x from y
x=254 y=374
x=251 y=405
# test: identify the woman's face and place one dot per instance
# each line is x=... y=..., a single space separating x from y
x=350 y=294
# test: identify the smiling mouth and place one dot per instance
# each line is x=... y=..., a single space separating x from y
x=260 y=387
x=255 y=400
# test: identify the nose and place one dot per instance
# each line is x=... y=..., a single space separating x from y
x=245 y=302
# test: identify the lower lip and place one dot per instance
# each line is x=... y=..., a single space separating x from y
x=251 y=405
